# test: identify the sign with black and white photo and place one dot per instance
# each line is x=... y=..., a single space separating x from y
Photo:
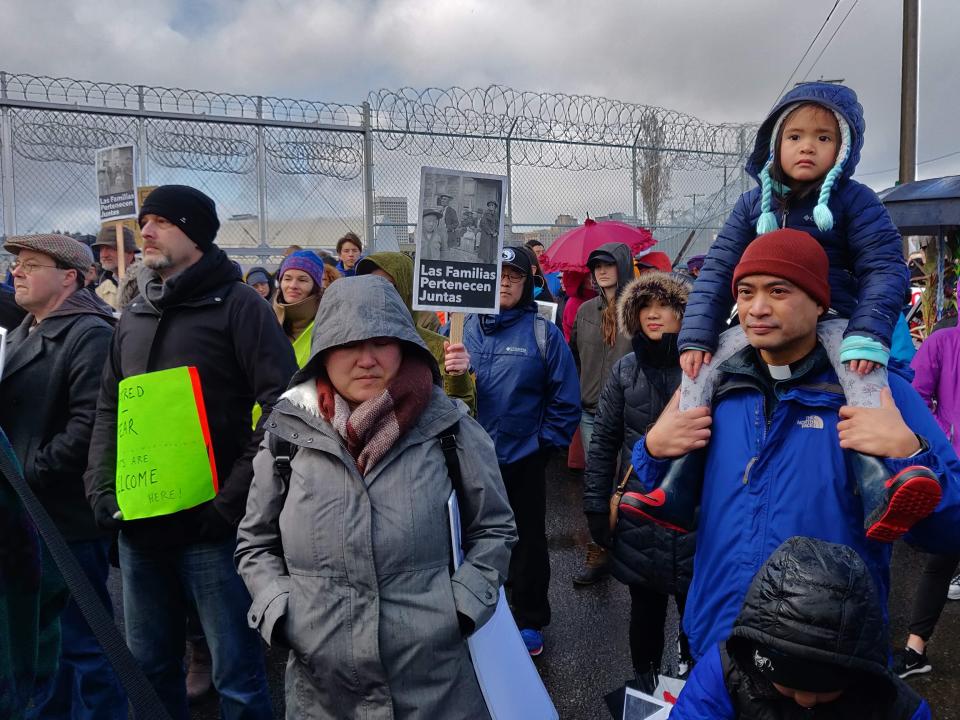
x=116 y=182
x=458 y=241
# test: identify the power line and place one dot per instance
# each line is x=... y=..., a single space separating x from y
x=922 y=162
x=836 y=30
x=807 y=51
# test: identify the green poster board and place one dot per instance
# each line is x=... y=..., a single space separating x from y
x=165 y=458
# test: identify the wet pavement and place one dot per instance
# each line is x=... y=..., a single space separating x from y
x=586 y=650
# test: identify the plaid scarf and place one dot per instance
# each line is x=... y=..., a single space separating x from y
x=375 y=425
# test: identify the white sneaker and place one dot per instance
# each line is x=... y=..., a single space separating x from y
x=953 y=593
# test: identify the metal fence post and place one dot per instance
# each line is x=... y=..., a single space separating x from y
x=6 y=162
x=261 y=179
x=636 y=178
x=510 y=180
x=741 y=150
x=941 y=256
x=370 y=238
x=142 y=147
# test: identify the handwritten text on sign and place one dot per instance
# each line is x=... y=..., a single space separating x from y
x=164 y=458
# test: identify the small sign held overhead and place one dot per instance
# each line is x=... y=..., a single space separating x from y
x=458 y=241
x=116 y=182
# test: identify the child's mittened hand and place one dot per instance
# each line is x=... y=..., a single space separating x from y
x=863 y=367
x=692 y=360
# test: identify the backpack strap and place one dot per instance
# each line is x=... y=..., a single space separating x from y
x=448 y=443
x=540 y=333
x=283 y=452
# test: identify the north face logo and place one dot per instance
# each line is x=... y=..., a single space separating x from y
x=811 y=422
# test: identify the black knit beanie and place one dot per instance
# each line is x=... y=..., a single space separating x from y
x=188 y=209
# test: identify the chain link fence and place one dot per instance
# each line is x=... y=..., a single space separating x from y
x=286 y=171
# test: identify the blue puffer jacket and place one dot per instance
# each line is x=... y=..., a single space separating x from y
x=766 y=480
x=868 y=276
x=524 y=401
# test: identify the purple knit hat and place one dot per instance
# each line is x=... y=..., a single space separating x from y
x=306 y=261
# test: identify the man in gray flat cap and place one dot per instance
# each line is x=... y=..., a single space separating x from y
x=109 y=282
x=48 y=400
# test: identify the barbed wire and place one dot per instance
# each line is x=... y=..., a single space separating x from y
x=314 y=152
x=202 y=146
x=554 y=130
x=67 y=137
x=121 y=96
x=551 y=130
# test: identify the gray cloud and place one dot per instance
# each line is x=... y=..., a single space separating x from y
x=723 y=62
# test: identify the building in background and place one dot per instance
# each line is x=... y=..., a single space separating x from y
x=394 y=212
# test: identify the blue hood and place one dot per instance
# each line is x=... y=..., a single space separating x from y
x=838 y=98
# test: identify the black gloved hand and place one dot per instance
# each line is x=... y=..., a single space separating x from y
x=599 y=524
x=106 y=512
x=467 y=626
x=213 y=525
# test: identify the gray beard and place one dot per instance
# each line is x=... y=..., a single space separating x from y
x=158 y=263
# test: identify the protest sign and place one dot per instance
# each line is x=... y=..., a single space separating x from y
x=116 y=182
x=131 y=224
x=458 y=241
x=165 y=458
x=510 y=683
x=548 y=310
x=640 y=706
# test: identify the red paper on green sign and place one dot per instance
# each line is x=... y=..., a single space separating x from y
x=165 y=459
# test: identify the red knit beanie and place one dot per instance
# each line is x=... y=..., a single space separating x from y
x=789 y=254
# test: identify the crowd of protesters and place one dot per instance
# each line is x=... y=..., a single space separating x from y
x=757 y=470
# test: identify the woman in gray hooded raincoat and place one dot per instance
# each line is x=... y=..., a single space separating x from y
x=347 y=554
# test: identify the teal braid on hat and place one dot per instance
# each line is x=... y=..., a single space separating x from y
x=767 y=221
x=822 y=216
x=821 y=213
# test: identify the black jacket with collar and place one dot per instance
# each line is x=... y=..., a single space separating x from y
x=639 y=387
x=209 y=319
x=48 y=399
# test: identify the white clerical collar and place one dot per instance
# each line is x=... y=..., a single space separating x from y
x=779 y=372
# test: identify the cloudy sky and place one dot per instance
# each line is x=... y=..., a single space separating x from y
x=722 y=62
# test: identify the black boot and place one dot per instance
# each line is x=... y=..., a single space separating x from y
x=674 y=503
x=893 y=505
x=647 y=679
x=597 y=566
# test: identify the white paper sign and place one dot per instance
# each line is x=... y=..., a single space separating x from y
x=509 y=680
x=116 y=182
x=458 y=241
x=639 y=706
x=548 y=310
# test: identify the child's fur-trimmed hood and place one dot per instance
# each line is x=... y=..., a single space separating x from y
x=665 y=288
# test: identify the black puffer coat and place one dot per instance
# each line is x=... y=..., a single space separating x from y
x=639 y=387
x=815 y=601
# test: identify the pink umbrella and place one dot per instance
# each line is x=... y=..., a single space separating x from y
x=571 y=250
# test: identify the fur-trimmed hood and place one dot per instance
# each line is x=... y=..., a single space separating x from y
x=666 y=288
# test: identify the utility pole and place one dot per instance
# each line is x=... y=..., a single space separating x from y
x=695 y=196
x=908 y=96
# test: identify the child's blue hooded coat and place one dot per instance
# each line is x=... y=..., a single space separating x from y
x=868 y=276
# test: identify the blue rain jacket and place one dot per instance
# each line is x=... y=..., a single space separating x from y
x=525 y=401
x=768 y=480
